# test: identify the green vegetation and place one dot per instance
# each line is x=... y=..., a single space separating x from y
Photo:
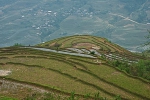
x=140 y=69
x=6 y=98
x=17 y=45
x=148 y=37
x=92 y=52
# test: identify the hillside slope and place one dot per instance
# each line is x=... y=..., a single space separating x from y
x=64 y=75
x=86 y=44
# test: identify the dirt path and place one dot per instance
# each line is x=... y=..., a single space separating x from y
x=11 y=85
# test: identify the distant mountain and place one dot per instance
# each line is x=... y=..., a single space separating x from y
x=29 y=22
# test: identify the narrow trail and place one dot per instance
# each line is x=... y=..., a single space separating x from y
x=126 y=18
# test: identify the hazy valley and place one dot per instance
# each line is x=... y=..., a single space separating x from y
x=30 y=22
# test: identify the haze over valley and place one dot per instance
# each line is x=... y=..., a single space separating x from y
x=30 y=22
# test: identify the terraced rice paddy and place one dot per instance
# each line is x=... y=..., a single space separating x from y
x=86 y=44
x=63 y=74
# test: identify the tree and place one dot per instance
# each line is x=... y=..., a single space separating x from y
x=147 y=44
x=148 y=37
x=57 y=46
x=92 y=52
x=17 y=45
x=143 y=69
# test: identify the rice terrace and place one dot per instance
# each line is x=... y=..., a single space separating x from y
x=80 y=67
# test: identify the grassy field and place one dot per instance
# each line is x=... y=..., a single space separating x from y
x=65 y=75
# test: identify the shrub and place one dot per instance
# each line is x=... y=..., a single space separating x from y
x=17 y=45
x=92 y=52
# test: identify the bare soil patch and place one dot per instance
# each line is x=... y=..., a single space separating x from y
x=52 y=44
x=87 y=46
x=4 y=72
x=115 y=73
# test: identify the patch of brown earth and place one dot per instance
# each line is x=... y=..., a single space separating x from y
x=52 y=44
x=86 y=46
x=115 y=73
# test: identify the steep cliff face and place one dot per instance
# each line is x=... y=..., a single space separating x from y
x=30 y=22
